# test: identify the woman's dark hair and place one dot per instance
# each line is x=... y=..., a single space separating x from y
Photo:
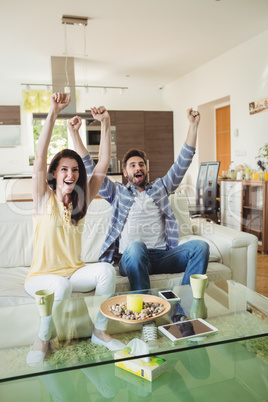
x=133 y=152
x=79 y=194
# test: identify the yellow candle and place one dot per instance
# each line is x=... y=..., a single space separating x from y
x=134 y=303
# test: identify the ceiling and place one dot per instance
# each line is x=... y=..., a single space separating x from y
x=126 y=42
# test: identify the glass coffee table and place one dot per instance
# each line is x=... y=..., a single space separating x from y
x=232 y=363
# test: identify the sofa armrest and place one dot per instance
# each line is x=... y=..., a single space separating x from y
x=238 y=249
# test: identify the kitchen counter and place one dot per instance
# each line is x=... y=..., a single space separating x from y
x=29 y=176
x=18 y=187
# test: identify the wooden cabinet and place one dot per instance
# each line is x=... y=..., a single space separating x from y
x=129 y=131
x=150 y=131
x=255 y=211
x=10 y=115
x=158 y=142
x=243 y=206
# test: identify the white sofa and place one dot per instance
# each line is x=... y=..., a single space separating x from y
x=233 y=255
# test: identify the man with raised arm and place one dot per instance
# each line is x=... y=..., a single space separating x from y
x=143 y=233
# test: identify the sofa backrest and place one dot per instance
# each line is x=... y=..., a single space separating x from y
x=179 y=205
x=95 y=229
x=16 y=234
x=16 y=229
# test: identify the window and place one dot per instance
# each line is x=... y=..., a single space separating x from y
x=59 y=138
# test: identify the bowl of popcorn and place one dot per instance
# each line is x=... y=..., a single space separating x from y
x=135 y=308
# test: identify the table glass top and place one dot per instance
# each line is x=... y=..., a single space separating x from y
x=236 y=311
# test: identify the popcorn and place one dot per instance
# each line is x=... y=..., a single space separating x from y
x=150 y=309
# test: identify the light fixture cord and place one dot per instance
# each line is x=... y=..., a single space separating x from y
x=85 y=56
x=85 y=42
x=66 y=57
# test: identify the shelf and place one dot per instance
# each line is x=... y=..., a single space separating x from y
x=252 y=208
x=250 y=230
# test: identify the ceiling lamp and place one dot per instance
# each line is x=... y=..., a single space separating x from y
x=74 y=20
x=67 y=85
x=86 y=86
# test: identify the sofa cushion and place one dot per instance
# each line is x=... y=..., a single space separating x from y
x=12 y=283
x=214 y=253
x=12 y=287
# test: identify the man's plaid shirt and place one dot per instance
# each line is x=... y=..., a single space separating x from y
x=121 y=198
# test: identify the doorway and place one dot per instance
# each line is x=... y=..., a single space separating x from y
x=223 y=137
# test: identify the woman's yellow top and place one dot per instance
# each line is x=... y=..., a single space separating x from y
x=57 y=242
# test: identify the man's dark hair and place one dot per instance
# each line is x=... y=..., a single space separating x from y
x=133 y=152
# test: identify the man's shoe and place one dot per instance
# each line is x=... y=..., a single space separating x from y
x=112 y=345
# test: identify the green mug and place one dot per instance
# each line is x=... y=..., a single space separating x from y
x=198 y=284
x=44 y=300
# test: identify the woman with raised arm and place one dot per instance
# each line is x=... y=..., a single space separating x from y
x=61 y=197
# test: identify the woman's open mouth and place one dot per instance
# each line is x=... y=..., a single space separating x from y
x=69 y=183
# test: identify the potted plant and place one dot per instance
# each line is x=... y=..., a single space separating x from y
x=262 y=158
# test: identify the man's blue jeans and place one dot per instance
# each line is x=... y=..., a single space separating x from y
x=138 y=262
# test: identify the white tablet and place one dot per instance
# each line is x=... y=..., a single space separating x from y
x=187 y=329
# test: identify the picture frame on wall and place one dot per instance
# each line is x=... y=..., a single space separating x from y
x=258 y=106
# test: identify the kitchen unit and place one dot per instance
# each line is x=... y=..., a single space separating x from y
x=151 y=131
x=18 y=188
x=93 y=136
x=9 y=126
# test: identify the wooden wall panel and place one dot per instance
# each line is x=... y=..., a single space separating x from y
x=159 y=142
x=150 y=131
x=10 y=115
x=129 y=131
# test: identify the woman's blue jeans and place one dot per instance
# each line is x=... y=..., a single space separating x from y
x=138 y=262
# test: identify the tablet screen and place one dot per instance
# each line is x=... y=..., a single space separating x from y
x=186 y=329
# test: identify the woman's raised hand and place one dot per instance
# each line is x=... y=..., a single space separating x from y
x=60 y=101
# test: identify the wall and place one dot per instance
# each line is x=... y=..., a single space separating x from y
x=240 y=74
